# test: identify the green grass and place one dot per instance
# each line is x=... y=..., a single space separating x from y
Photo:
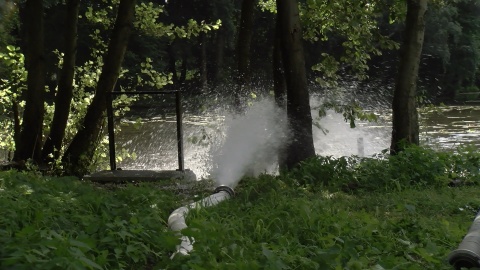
x=63 y=223
x=298 y=220
x=280 y=228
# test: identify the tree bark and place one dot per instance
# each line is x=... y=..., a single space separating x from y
x=17 y=128
x=183 y=71
x=244 y=42
x=405 y=117
x=32 y=125
x=79 y=155
x=219 y=57
x=63 y=99
x=203 y=62
x=301 y=145
x=279 y=83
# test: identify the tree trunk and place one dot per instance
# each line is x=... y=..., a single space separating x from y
x=16 y=122
x=63 y=99
x=203 y=62
x=405 y=116
x=79 y=155
x=279 y=84
x=244 y=42
x=301 y=145
x=32 y=125
x=219 y=57
x=183 y=71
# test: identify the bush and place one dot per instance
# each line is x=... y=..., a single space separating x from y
x=412 y=168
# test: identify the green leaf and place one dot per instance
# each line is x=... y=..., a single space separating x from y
x=90 y=263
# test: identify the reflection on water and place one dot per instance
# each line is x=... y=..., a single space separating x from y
x=154 y=142
x=451 y=127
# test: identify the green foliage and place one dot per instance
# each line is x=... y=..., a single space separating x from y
x=8 y=21
x=350 y=112
x=416 y=167
x=148 y=22
x=273 y=225
x=12 y=84
x=63 y=223
x=408 y=219
x=354 y=26
x=152 y=77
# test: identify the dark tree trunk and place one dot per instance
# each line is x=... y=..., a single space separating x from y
x=244 y=42
x=63 y=99
x=219 y=57
x=16 y=122
x=301 y=145
x=80 y=152
x=203 y=62
x=32 y=125
x=279 y=83
x=405 y=116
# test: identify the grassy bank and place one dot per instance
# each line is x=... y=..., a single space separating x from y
x=305 y=219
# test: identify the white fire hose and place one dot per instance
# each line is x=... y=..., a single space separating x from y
x=176 y=220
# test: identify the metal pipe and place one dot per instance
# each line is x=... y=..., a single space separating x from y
x=111 y=132
x=176 y=220
x=467 y=255
x=178 y=105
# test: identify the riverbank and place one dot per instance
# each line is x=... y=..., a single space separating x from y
x=294 y=220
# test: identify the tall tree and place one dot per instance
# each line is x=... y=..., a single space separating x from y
x=32 y=125
x=79 y=154
x=244 y=41
x=64 y=95
x=203 y=61
x=279 y=84
x=299 y=115
x=405 y=117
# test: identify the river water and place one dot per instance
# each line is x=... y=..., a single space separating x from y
x=154 y=141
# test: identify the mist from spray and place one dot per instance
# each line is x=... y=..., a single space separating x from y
x=252 y=143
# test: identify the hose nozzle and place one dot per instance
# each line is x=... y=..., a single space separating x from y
x=227 y=189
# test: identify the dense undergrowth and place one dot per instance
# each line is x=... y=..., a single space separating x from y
x=384 y=213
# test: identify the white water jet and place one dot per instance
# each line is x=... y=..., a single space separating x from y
x=342 y=140
x=252 y=143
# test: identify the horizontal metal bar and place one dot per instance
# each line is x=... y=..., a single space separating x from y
x=144 y=92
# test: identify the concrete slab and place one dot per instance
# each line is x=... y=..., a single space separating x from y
x=123 y=176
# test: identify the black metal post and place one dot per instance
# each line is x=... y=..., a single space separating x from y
x=178 y=103
x=111 y=132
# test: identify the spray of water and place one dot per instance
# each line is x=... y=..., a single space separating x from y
x=223 y=146
x=252 y=143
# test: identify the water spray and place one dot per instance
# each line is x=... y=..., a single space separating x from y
x=176 y=220
x=467 y=255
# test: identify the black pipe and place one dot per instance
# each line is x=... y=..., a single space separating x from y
x=111 y=133
x=178 y=106
x=467 y=255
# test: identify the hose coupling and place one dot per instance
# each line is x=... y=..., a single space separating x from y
x=227 y=189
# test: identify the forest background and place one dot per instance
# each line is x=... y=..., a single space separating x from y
x=79 y=49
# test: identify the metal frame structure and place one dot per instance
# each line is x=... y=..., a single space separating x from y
x=111 y=124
